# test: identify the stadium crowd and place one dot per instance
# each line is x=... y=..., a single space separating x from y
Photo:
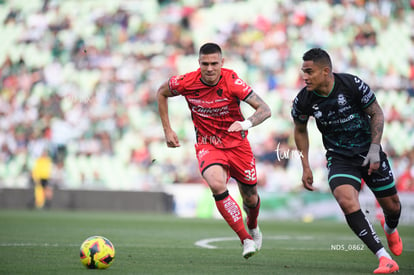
x=80 y=77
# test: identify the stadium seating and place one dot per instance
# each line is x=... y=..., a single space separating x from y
x=138 y=44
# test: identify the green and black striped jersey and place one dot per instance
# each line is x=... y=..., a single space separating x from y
x=340 y=116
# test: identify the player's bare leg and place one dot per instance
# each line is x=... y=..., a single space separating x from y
x=216 y=177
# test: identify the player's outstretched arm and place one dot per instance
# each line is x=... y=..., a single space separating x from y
x=163 y=94
x=261 y=114
x=302 y=144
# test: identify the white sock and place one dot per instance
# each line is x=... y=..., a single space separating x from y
x=388 y=229
x=382 y=253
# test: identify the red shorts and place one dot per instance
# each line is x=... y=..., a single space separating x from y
x=239 y=161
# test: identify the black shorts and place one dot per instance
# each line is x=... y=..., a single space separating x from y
x=44 y=182
x=349 y=170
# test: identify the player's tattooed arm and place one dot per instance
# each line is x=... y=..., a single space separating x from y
x=262 y=109
x=377 y=121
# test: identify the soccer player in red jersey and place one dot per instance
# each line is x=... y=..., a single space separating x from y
x=213 y=94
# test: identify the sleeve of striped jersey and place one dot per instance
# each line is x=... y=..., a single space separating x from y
x=365 y=94
x=297 y=113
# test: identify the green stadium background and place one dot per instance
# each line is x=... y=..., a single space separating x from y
x=79 y=78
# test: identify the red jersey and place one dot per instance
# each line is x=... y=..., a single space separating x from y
x=213 y=108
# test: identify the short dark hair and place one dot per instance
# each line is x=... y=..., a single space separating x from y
x=210 y=48
x=317 y=55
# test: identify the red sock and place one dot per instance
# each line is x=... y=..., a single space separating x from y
x=252 y=214
x=231 y=212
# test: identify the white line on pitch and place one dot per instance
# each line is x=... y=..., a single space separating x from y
x=205 y=243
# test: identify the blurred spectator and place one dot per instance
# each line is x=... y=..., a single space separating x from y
x=366 y=36
x=41 y=178
x=405 y=182
x=81 y=80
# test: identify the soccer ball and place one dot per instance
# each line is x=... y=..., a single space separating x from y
x=97 y=252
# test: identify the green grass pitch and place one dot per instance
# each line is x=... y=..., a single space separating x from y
x=47 y=242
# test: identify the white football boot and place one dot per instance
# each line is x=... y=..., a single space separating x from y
x=249 y=248
x=257 y=237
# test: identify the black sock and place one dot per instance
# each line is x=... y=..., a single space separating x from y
x=392 y=219
x=364 y=230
